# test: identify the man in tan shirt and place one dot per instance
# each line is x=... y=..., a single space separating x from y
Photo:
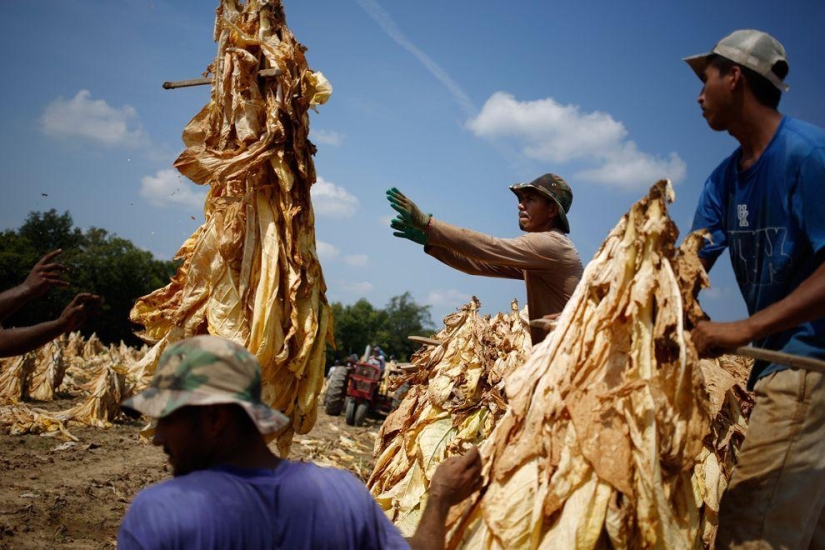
x=544 y=257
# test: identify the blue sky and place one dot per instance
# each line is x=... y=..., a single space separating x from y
x=451 y=102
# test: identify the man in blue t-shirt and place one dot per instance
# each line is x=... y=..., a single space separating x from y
x=766 y=205
x=230 y=491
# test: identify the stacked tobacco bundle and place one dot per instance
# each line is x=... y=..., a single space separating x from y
x=250 y=273
x=72 y=365
x=613 y=437
x=730 y=406
x=454 y=400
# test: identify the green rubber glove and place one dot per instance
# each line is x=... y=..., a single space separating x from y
x=407 y=210
x=406 y=231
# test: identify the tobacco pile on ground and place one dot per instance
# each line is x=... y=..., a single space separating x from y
x=69 y=488
x=612 y=434
x=454 y=400
x=613 y=438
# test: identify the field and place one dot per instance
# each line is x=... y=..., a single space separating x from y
x=72 y=495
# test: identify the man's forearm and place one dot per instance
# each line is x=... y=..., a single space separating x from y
x=469 y=266
x=17 y=341
x=432 y=528
x=11 y=300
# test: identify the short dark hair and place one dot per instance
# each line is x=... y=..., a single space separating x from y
x=763 y=90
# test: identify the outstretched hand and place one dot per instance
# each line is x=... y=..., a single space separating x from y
x=78 y=311
x=408 y=211
x=406 y=231
x=44 y=275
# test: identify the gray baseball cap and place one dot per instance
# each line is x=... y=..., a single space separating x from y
x=750 y=48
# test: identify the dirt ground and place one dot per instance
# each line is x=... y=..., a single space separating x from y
x=72 y=495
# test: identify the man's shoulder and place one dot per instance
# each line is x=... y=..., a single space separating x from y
x=806 y=132
x=307 y=474
x=179 y=488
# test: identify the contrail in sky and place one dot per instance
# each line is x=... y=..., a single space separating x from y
x=384 y=20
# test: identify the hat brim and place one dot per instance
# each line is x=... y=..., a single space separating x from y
x=157 y=404
x=518 y=188
x=698 y=63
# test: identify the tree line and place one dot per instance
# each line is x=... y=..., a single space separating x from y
x=360 y=324
x=113 y=267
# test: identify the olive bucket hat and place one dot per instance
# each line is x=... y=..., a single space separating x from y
x=207 y=370
x=554 y=188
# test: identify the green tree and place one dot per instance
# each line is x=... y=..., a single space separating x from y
x=48 y=231
x=355 y=327
x=116 y=269
x=404 y=318
x=360 y=324
x=98 y=262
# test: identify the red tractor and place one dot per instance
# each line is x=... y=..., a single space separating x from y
x=357 y=389
x=364 y=394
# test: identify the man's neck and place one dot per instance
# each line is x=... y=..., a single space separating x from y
x=247 y=452
x=754 y=132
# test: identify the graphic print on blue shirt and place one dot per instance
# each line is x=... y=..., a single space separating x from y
x=760 y=257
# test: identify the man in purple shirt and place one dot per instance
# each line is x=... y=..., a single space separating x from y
x=230 y=491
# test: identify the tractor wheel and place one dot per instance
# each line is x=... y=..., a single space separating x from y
x=361 y=413
x=336 y=391
x=350 y=406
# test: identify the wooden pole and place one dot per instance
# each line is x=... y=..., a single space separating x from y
x=266 y=73
x=781 y=358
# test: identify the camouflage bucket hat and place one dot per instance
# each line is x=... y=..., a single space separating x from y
x=552 y=187
x=207 y=370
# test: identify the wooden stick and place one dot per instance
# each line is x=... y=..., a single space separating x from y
x=266 y=73
x=425 y=340
x=545 y=324
x=186 y=83
x=781 y=358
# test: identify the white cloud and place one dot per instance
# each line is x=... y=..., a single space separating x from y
x=94 y=120
x=332 y=201
x=447 y=298
x=326 y=251
x=631 y=169
x=169 y=188
x=549 y=131
x=715 y=292
x=327 y=137
x=356 y=260
x=360 y=289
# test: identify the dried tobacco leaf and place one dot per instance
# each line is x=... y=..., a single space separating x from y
x=604 y=442
x=454 y=401
x=250 y=273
